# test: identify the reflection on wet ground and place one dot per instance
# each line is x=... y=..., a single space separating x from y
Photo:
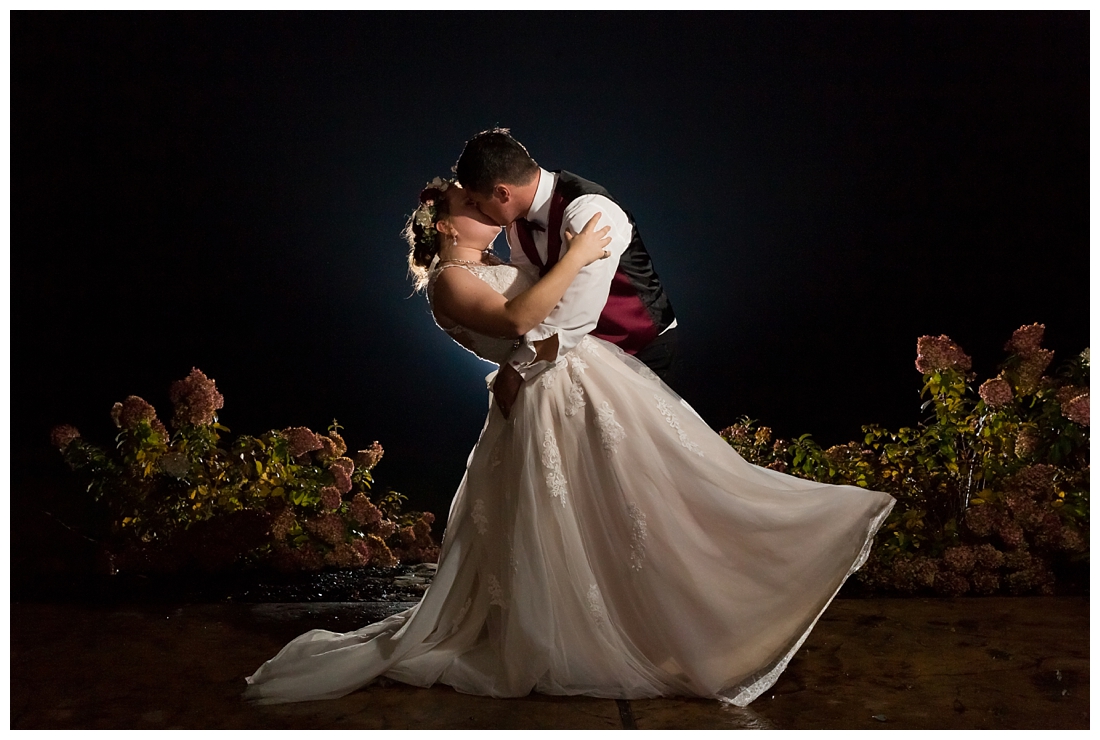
x=996 y=663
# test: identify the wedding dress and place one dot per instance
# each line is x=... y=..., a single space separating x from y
x=604 y=541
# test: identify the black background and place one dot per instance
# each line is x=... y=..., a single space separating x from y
x=226 y=191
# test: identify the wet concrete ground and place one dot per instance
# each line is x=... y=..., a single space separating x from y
x=995 y=663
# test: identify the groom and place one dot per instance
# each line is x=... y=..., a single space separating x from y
x=620 y=299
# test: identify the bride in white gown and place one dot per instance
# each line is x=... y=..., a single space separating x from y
x=604 y=540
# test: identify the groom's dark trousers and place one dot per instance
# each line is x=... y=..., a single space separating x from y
x=660 y=355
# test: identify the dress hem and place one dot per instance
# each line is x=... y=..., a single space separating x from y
x=750 y=693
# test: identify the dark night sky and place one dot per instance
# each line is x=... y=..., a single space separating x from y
x=817 y=190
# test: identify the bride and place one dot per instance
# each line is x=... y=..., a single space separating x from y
x=604 y=540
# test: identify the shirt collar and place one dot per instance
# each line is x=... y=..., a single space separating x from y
x=540 y=206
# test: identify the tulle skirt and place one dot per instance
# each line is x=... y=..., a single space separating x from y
x=605 y=541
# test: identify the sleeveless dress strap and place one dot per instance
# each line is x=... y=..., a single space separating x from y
x=434 y=272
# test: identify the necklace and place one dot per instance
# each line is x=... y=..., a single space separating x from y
x=493 y=260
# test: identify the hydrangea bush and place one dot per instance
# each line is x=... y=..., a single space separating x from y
x=992 y=488
x=292 y=498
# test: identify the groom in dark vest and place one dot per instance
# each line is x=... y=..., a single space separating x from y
x=620 y=299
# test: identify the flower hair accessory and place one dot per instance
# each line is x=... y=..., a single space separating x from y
x=425 y=215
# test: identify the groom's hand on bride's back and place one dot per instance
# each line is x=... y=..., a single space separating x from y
x=508 y=380
x=506 y=388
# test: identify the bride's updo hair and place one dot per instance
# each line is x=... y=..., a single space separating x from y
x=420 y=232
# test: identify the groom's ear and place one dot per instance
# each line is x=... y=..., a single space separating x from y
x=502 y=193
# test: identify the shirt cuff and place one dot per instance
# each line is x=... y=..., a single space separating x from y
x=523 y=359
x=523 y=355
x=542 y=331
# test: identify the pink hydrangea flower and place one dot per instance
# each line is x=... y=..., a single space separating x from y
x=960 y=559
x=159 y=428
x=1026 y=340
x=381 y=555
x=341 y=469
x=952 y=584
x=1077 y=410
x=735 y=433
x=1027 y=442
x=1034 y=481
x=327 y=450
x=914 y=573
x=1068 y=392
x=989 y=557
x=985 y=582
x=131 y=412
x=368 y=458
x=982 y=519
x=1018 y=559
x=195 y=398
x=362 y=511
x=366 y=554
x=308 y=557
x=328 y=527
x=346 y=555
x=330 y=497
x=1072 y=541
x=940 y=353
x=301 y=440
x=1031 y=370
x=338 y=441
x=283 y=524
x=63 y=435
x=1011 y=534
x=996 y=392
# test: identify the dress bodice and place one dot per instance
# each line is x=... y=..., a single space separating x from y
x=509 y=281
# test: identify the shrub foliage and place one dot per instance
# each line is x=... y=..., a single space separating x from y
x=992 y=487
x=291 y=498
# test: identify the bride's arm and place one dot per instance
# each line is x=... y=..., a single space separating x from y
x=465 y=299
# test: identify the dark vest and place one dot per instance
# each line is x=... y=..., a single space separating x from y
x=637 y=308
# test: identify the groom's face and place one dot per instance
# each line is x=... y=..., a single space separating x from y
x=498 y=209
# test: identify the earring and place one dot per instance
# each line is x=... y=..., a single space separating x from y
x=454 y=241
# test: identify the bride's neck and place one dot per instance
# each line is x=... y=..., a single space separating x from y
x=465 y=253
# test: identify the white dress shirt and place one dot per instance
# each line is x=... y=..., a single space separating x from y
x=579 y=309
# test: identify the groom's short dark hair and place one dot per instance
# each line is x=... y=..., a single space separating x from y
x=491 y=158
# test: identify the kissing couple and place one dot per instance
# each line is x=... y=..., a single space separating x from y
x=604 y=540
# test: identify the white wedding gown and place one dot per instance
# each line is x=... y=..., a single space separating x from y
x=604 y=541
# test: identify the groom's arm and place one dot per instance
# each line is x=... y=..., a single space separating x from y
x=579 y=309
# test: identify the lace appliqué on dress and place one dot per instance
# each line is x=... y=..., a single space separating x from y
x=673 y=422
x=498 y=451
x=574 y=366
x=547 y=377
x=575 y=400
x=512 y=555
x=638 y=536
x=461 y=615
x=595 y=605
x=478 y=515
x=585 y=346
x=611 y=431
x=551 y=460
x=496 y=593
